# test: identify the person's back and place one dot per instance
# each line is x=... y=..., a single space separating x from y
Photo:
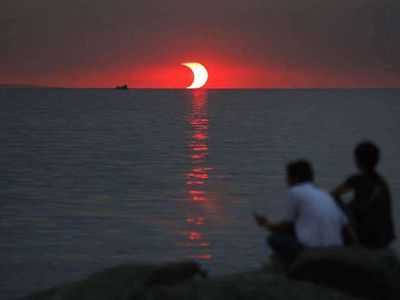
x=370 y=208
x=317 y=219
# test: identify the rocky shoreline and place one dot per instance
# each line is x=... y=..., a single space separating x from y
x=330 y=273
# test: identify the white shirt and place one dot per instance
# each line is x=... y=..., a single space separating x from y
x=317 y=219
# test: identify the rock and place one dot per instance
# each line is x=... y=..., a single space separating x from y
x=177 y=272
x=373 y=274
x=252 y=285
x=112 y=283
x=131 y=282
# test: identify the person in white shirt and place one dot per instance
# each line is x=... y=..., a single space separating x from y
x=313 y=219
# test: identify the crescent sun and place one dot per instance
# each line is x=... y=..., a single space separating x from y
x=200 y=74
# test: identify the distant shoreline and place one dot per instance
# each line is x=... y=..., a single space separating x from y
x=34 y=86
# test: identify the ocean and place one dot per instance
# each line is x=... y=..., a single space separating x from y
x=95 y=178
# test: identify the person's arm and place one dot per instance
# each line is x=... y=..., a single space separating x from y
x=286 y=226
x=349 y=236
x=265 y=223
x=341 y=189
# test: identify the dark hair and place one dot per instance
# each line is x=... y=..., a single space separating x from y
x=301 y=170
x=367 y=155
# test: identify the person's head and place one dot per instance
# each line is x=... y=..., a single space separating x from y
x=298 y=172
x=367 y=156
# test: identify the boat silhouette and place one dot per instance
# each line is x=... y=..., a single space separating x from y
x=121 y=87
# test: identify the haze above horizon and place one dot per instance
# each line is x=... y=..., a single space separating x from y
x=242 y=43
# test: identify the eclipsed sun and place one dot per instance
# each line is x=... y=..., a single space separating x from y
x=200 y=74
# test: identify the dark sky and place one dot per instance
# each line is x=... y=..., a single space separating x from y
x=243 y=43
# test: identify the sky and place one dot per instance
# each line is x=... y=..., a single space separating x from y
x=242 y=43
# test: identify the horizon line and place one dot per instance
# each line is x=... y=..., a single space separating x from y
x=38 y=86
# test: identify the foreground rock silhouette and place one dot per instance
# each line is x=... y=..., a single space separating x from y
x=373 y=274
x=336 y=273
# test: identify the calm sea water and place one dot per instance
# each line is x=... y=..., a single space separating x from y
x=94 y=178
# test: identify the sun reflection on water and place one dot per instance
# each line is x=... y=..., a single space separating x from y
x=196 y=179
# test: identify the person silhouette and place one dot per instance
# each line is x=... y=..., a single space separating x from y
x=370 y=210
x=312 y=217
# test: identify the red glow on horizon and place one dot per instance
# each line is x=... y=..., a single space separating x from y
x=224 y=72
x=172 y=75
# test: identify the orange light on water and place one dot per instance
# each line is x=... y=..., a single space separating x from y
x=195 y=235
x=195 y=245
x=200 y=136
x=196 y=192
x=200 y=148
x=197 y=195
x=195 y=182
x=198 y=220
x=197 y=157
x=198 y=176
x=199 y=122
x=201 y=257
